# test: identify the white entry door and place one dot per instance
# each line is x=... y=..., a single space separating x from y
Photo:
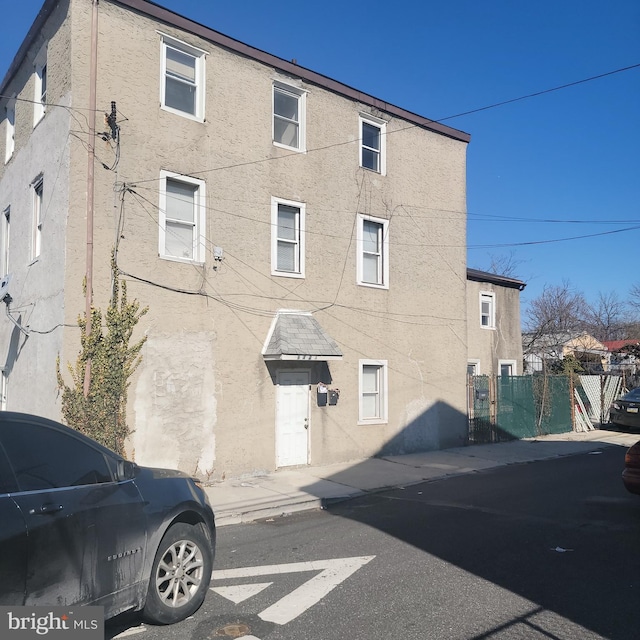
x=292 y=418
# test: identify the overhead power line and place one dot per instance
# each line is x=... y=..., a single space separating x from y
x=540 y=93
x=533 y=242
x=413 y=126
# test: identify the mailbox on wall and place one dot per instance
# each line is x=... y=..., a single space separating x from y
x=327 y=396
x=322 y=395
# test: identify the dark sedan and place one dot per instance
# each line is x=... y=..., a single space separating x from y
x=79 y=525
x=625 y=411
x=631 y=473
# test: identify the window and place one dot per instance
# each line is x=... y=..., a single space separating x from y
x=288 y=117
x=287 y=238
x=372 y=144
x=373 y=252
x=40 y=95
x=506 y=367
x=4 y=242
x=488 y=310
x=182 y=82
x=373 y=391
x=182 y=216
x=10 y=141
x=473 y=368
x=44 y=458
x=36 y=232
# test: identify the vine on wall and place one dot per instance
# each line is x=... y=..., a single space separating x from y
x=101 y=414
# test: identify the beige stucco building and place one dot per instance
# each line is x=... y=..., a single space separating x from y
x=494 y=329
x=289 y=234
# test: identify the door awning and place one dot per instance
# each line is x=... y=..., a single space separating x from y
x=297 y=335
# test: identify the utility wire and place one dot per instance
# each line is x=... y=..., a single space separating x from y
x=425 y=245
x=540 y=93
x=413 y=126
x=522 y=244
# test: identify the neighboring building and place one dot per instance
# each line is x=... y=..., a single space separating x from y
x=623 y=359
x=493 y=324
x=289 y=234
x=543 y=349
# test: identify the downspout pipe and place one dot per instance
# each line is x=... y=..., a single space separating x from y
x=93 y=74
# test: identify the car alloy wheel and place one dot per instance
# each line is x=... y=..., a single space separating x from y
x=180 y=575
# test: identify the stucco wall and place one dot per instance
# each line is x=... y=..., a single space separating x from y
x=203 y=398
x=502 y=342
x=37 y=286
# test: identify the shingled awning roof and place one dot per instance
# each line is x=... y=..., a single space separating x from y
x=297 y=335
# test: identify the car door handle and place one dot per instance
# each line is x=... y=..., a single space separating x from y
x=46 y=508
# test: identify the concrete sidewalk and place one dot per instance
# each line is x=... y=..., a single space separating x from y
x=289 y=490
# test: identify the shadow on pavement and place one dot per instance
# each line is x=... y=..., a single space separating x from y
x=562 y=537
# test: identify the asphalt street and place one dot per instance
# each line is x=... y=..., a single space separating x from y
x=546 y=550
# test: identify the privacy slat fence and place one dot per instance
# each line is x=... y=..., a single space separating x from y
x=513 y=407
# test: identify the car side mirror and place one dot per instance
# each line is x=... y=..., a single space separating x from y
x=126 y=470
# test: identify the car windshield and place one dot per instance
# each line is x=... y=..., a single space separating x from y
x=634 y=395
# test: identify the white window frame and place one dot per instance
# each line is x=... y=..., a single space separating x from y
x=199 y=218
x=490 y=297
x=382 y=152
x=10 y=138
x=510 y=363
x=199 y=82
x=4 y=240
x=301 y=96
x=40 y=85
x=299 y=241
x=475 y=363
x=382 y=392
x=37 y=190
x=383 y=252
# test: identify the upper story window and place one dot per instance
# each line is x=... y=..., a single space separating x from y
x=488 y=310
x=373 y=251
x=40 y=95
x=183 y=79
x=287 y=238
x=182 y=217
x=289 y=106
x=373 y=144
x=10 y=140
x=373 y=392
x=36 y=231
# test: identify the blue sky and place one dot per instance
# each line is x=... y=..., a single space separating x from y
x=564 y=164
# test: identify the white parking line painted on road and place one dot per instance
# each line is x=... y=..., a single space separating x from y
x=332 y=573
x=241 y=592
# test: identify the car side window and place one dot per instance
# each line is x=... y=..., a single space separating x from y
x=7 y=480
x=44 y=458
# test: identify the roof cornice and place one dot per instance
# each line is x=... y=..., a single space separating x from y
x=166 y=16
x=494 y=278
x=171 y=18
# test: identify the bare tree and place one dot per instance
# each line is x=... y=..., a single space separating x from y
x=634 y=297
x=608 y=318
x=558 y=309
x=504 y=265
